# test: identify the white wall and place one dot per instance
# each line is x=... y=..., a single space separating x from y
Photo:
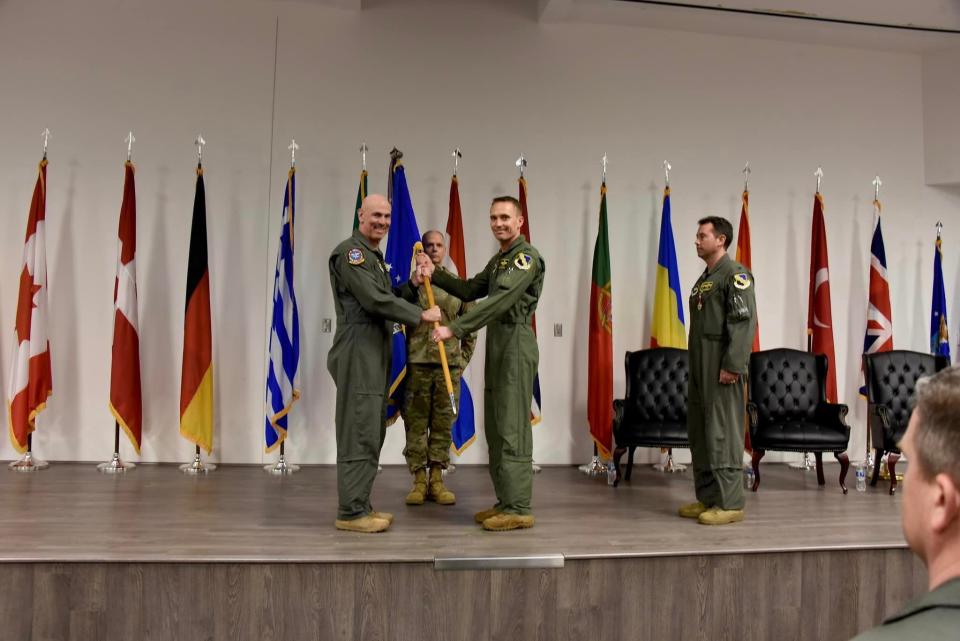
x=425 y=77
x=941 y=102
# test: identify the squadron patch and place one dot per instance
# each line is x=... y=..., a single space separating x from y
x=523 y=261
x=741 y=281
x=355 y=256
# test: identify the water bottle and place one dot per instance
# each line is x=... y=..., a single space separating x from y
x=861 y=472
x=611 y=473
x=748 y=478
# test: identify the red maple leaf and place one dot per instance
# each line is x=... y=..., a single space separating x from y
x=25 y=305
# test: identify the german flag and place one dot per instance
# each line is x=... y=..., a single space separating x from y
x=196 y=383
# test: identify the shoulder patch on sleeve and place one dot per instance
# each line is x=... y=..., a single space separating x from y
x=523 y=261
x=742 y=281
x=355 y=256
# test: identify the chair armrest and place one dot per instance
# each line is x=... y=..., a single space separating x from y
x=753 y=414
x=833 y=415
x=886 y=417
x=617 y=416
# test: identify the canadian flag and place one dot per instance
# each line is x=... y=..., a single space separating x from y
x=126 y=403
x=31 y=379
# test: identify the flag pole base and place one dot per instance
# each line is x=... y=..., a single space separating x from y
x=115 y=465
x=595 y=468
x=450 y=469
x=197 y=466
x=805 y=465
x=536 y=468
x=28 y=464
x=670 y=466
x=281 y=467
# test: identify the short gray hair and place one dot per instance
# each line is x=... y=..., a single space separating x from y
x=937 y=438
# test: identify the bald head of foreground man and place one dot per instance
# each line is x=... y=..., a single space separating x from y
x=368 y=307
x=374 y=215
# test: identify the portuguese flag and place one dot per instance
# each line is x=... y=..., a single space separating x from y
x=361 y=194
x=600 y=365
x=196 y=383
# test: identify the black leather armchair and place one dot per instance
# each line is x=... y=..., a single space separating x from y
x=653 y=412
x=788 y=411
x=891 y=379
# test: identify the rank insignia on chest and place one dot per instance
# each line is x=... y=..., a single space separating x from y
x=503 y=263
x=741 y=281
x=706 y=286
x=355 y=257
x=523 y=261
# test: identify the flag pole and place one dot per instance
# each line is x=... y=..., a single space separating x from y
x=868 y=455
x=27 y=463
x=281 y=467
x=805 y=465
x=116 y=465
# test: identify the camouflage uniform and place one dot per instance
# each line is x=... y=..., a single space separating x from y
x=723 y=321
x=427 y=414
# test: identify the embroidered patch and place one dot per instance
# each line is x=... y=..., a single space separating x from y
x=706 y=286
x=741 y=281
x=523 y=261
x=696 y=290
x=503 y=263
x=355 y=256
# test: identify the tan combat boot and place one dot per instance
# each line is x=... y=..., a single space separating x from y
x=483 y=515
x=503 y=521
x=718 y=516
x=386 y=516
x=693 y=510
x=367 y=524
x=436 y=491
x=419 y=492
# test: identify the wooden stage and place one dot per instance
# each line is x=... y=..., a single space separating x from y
x=239 y=554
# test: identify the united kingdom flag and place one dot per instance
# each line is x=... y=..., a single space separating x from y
x=879 y=334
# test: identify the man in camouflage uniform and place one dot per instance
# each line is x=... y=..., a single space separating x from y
x=511 y=284
x=427 y=413
x=359 y=361
x=723 y=321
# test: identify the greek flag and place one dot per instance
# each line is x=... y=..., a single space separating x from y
x=283 y=353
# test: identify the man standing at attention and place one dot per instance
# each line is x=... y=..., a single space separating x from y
x=359 y=361
x=930 y=512
x=511 y=282
x=427 y=414
x=723 y=321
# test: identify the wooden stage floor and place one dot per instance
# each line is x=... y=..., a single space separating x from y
x=72 y=513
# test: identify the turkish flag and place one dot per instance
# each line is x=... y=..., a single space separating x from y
x=819 y=317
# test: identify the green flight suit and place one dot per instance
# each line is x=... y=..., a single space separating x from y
x=427 y=415
x=932 y=617
x=511 y=282
x=359 y=362
x=723 y=321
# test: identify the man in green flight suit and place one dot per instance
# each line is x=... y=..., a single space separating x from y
x=723 y=321
x=930 y=512
x=359 y=360
x=427 y=414
x=511 y=282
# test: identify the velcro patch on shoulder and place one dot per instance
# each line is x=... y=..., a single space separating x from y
x=742 y=281
x=355 y=256
x=523 y=261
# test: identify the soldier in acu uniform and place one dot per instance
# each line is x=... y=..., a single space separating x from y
x=511 y=283
x=359 y=361
x=722 y=325
x=427 y=414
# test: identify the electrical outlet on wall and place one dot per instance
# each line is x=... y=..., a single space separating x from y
x=558 y=330
x=325 y=325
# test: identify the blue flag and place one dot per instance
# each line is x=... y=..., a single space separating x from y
x=403 y=234
x=939 y=336
x=283 y=353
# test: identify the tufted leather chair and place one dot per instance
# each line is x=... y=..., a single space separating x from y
x=891 y=379
x=788 y=411
x=653 y=412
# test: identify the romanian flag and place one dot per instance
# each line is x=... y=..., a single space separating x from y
x=668 y=326
x=126 y=401
x=939 y=337
x=464 y=430
x=535 y=404
x=600 y=359
x=31 y=376
x=361 y=194
x=196 y=382
x=819 y=316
